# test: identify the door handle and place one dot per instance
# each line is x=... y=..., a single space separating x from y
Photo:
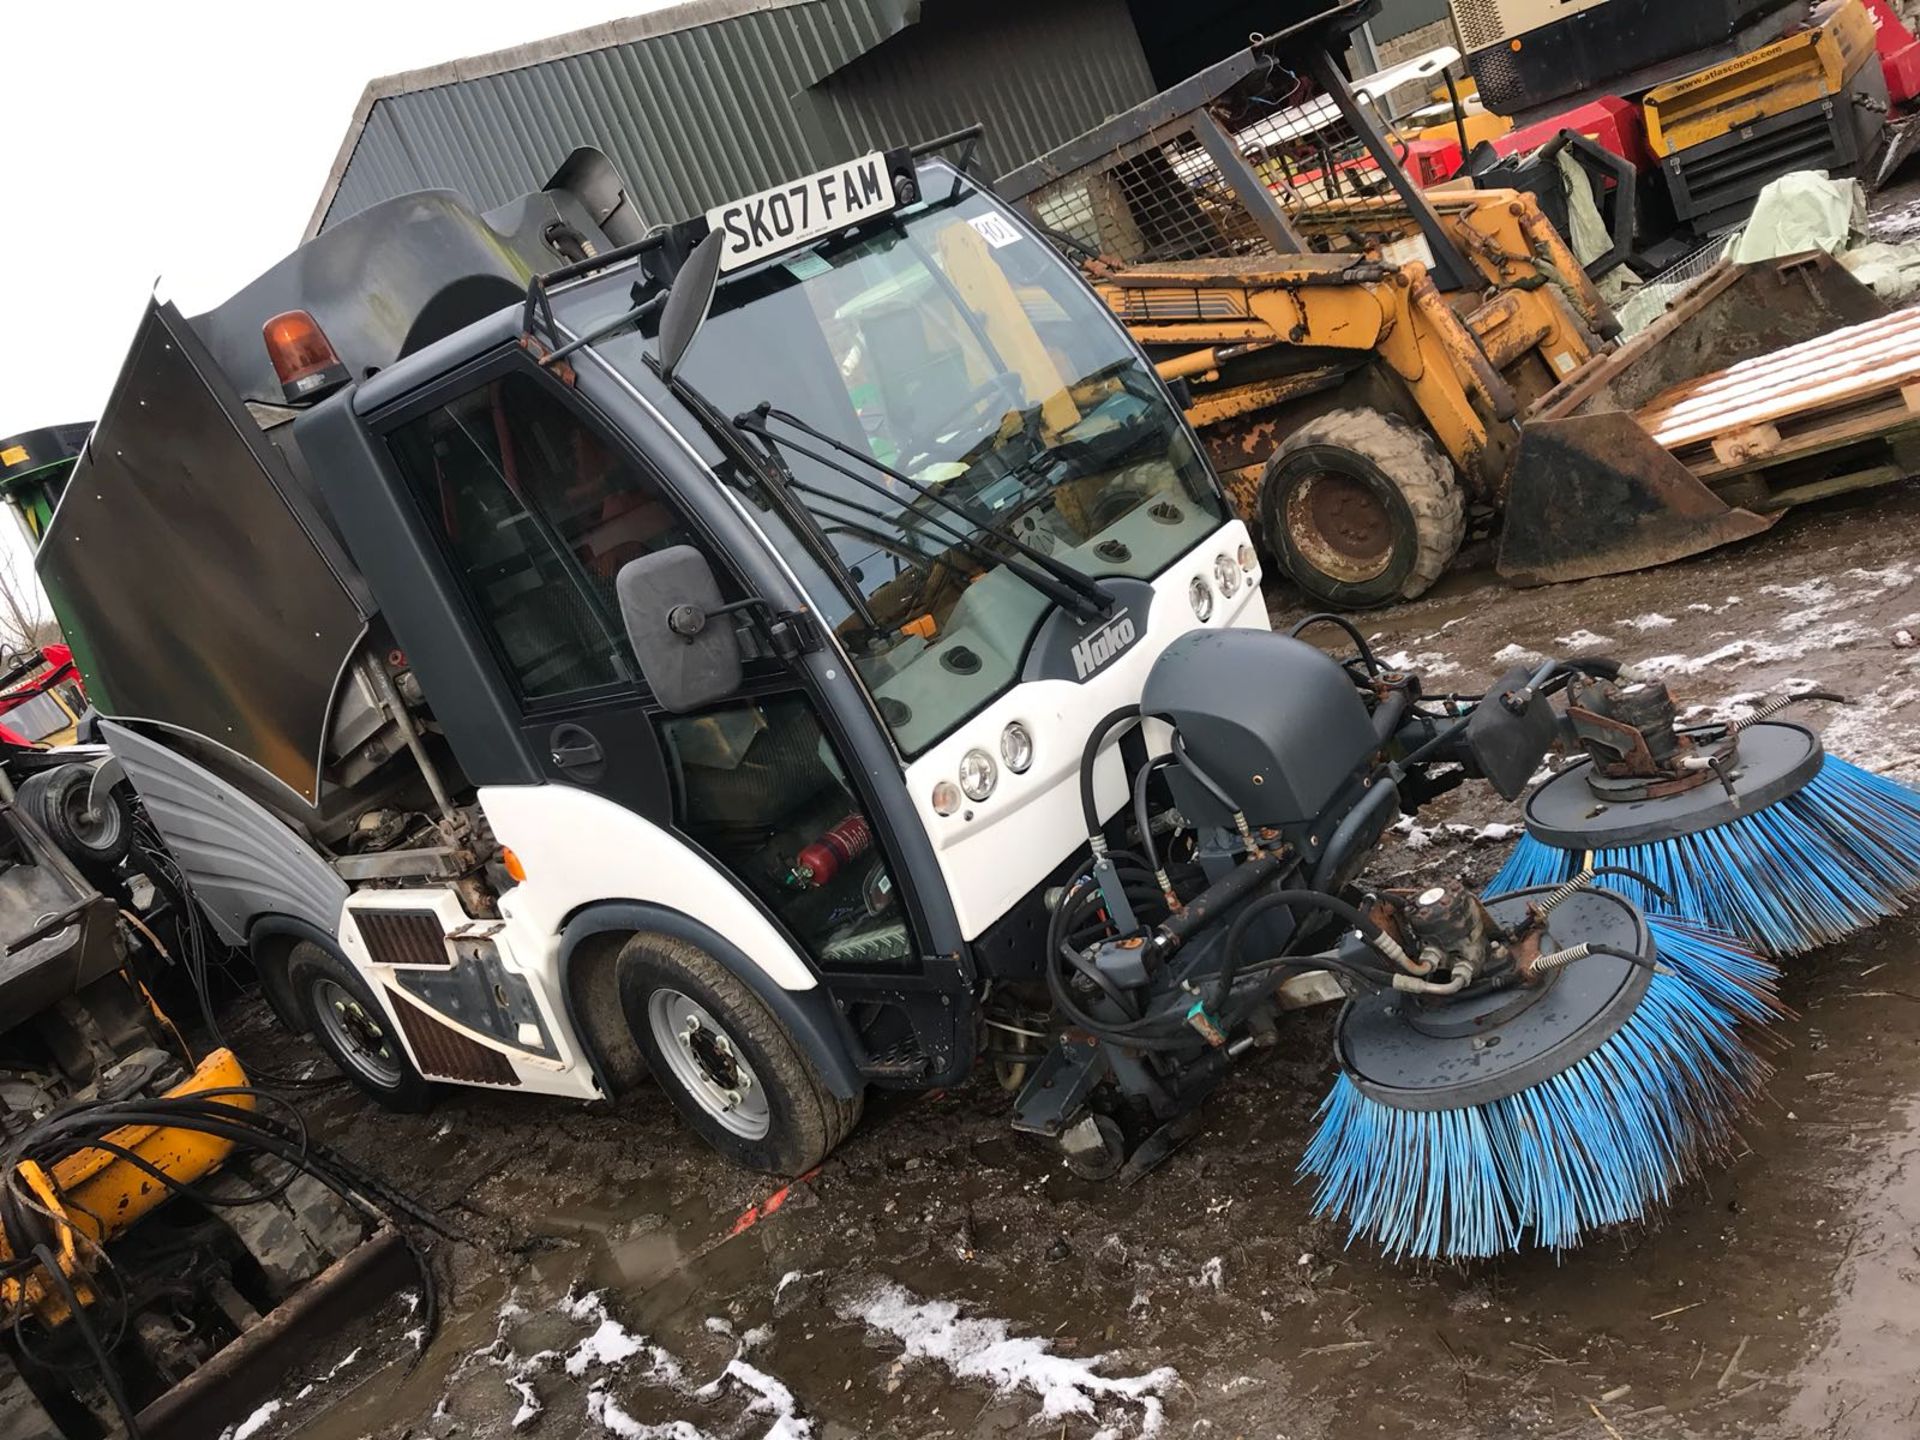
x=573 y=749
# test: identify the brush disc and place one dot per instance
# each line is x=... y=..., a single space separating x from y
x=1777 y=761
x=1536 y=1115
x=1414 y=1053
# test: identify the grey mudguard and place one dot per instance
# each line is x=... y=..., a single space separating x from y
x=241 y=862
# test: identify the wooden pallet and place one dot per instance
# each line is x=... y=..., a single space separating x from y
x=1847 y=385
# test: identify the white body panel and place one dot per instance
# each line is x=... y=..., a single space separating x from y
x=578 y=848
x=564 y=1073
x=992 y=853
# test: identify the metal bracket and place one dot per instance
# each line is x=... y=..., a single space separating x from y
x=107 y=774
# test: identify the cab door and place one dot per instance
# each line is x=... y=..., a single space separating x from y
x=536 y=505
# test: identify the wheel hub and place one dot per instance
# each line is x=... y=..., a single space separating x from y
x=713 y=1053
x=1340 y=526
x=360 y=1034
x=707 y=1064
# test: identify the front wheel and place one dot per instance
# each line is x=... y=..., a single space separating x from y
x=726 y=1062
x=1362 y=509
x=346 y=1020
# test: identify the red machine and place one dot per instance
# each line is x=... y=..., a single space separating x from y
x=1899 y=52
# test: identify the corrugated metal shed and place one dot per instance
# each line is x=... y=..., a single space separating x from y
x=722 y=97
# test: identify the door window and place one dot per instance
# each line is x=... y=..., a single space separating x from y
x=762 y=791
x=539 y=513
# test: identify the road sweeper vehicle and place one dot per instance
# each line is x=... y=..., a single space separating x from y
x=802 y=650
x=1380 y=372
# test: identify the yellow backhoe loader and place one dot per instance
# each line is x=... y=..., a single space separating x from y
x=1380 y=371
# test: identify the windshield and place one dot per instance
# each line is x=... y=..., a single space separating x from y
x=958 y=349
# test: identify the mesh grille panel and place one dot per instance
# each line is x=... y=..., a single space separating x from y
x=1164 y=198
x=446 y=1053
x=402 y=937
x=1482 y=22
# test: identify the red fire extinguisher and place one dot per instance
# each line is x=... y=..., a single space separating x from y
x=824 y=858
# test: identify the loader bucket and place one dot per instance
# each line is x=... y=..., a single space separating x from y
x=1591 y=492
x=1732 y=313
x=1596 y=495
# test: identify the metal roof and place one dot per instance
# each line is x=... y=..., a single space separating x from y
x=717 y=98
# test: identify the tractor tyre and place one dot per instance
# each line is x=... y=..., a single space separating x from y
x=725 y=1060
x=95 y=840
x=1362 y=509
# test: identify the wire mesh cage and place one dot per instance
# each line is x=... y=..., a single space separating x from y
x=1273 y=161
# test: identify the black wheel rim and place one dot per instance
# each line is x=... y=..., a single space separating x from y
x=358 y=1037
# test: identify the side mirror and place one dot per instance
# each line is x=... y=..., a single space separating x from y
x=688 y=302
x=679 y=627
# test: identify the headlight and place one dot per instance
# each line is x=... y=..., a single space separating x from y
x=1201 y=594
x=1249 y=561
x=946 y=798
x=1016 y=747
x=1226 y=574
x=978 y=774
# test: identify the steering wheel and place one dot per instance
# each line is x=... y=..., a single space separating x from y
x=1004 y=385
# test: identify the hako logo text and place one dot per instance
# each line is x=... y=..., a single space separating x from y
x=1092 y=654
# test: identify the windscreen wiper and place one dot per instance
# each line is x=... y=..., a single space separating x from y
x=1062 y=583
x=779 y=485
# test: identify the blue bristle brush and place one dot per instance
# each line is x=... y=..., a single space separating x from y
x=1466 y=1131
x=1777 y=842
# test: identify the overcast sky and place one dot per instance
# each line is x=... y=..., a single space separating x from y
x=184 y=142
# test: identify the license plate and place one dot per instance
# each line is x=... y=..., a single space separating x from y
x=802 y=210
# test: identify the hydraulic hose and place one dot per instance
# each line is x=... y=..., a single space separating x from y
x=1089 y=755
x=1143 y=822
x=1229 y=890
x=1353 y=634
x=1236 y=940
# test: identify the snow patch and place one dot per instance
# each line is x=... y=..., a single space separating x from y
x=1423 y=837
x=1517 y=655
x=1880 y=731
x=1584 y=639
x=770 y=1398
x=605 y=1412
x=979 y=1348
x=793 y=1277
x=530 y=1406
x=1211 y=1275
x=254 y=1423
x=1653 y=620
x=1427 y=662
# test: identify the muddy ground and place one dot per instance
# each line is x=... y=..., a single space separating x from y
x=943 y=1277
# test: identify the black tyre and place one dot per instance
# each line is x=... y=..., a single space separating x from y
x=348 y=1023
x=1362 y=509
x=727 y=1064
x=95 y=839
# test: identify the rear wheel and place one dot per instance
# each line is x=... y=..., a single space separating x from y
x=346 y=1020
x=726 y=1062
x=1362 y=509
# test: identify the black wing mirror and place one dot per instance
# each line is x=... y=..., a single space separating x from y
x=680 y=627
x=688 y=302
